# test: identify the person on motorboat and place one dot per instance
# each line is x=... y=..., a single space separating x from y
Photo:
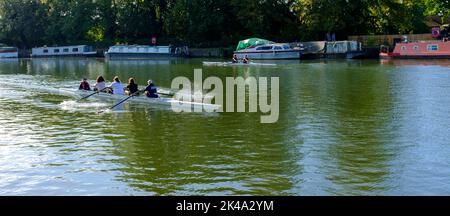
x=116 y=86
x=132 y=87
x=84 y=85
x=235 y=59
x=246 y=60
x=151 y=91
x=99 y=84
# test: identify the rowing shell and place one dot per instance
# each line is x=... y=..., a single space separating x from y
x=236 y=64
x=143 y=99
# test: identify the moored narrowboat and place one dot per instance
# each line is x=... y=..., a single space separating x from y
x=418 y=50
x=64 y=51
x=145 y=52
x=9 y=52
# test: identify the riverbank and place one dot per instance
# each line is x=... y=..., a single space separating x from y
x=313 y=50
x=220 y=52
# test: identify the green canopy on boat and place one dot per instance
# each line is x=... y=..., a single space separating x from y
x=243 y=44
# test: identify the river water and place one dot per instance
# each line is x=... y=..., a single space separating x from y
x=359 y=127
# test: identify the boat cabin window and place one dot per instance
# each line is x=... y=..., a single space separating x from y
x=45 y=51
x=264 y=48
x=8 y=49
x=65 y=50
x=56 y=51
x=87 y=49
x=433 y=47
x=278 y=48
x=403 y=48
x=286 y=47
x=416 y=48
x=75 y=50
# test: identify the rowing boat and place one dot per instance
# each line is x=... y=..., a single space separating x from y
x=146 y=100
x=236 y=64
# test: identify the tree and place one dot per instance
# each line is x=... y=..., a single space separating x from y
x=438 y=8
x=359 y=17
x=207 y=23
x=23 y=22
x=198 y=21
x=138 y=19
x=226 y=22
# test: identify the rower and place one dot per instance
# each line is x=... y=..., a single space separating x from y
x=151 y=91
x=132 y=87
x=84 y=85
x=116 y=86
x=246 y=60
x=99 y=83
x=235 y=59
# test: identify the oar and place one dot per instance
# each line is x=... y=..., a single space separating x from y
x=165 y=94
x=95 y=92
x=120 y=102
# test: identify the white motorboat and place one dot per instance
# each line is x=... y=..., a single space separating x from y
x=269 y=51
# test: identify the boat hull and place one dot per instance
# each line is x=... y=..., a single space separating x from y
x=141 y=55
x=145 y=52
x=269 y=55
x=146 y=100
x=415 y=56
x=347 y=55
x=224 y=64
x=9 y=55
x=9 y=52
x=90 y=54
x=418 y=50
x=63 y=51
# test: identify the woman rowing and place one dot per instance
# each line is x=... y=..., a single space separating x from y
x=246 y=60
x=132 y=87
x=151 y=91
x=116 y=86
x=235 y=59
x=99 y=84
x=84 y=85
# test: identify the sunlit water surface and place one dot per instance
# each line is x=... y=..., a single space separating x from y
x=345 y=128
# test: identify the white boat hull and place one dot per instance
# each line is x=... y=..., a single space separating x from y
x=145 y=52
x=112 y=55
x=83 y=54
x=236 y=64
x=9 y=55
x=146 y=100
x=269 y=55
x=63 y=51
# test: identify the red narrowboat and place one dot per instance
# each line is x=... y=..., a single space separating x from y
x=418 y=50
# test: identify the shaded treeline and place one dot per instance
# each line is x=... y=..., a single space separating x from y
x=205 y=23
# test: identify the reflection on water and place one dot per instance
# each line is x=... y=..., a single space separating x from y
x=345 y=128
x=406 y=62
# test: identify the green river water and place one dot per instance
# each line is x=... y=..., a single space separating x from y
x=346 y=127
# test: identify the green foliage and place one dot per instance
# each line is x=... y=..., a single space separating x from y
x=206 y=23
x=346 y=17
x=439 y=8
x=23 y=22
